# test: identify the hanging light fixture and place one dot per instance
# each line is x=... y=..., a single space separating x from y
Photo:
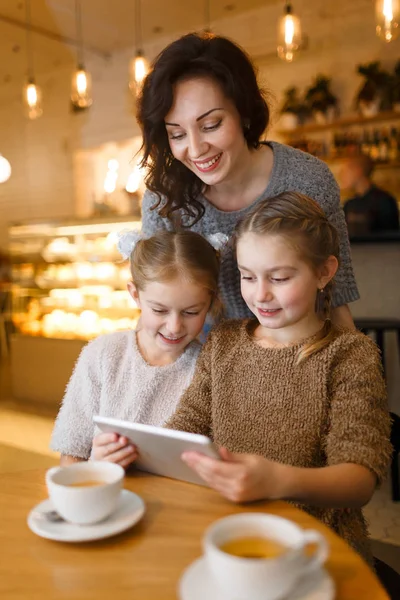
x=5 y=169
x=387 y=19
x=81 y=88
x=31 y=93
x=289 y=34
x=207 y=12
x=139 y=65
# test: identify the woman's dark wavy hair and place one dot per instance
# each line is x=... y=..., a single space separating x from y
x=195 y=54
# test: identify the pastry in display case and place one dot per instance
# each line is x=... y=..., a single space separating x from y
x=69 y=280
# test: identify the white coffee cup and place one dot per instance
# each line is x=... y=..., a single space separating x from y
x=266 y=578
x=85 y=505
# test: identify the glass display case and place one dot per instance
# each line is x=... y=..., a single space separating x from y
x=69 y=280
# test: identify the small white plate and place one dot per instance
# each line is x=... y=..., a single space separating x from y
x=130 y=509
x=197 y=584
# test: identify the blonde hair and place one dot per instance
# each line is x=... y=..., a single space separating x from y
x=304 y=225
x=169 y=255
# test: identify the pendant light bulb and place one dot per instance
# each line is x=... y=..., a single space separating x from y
x=387 y=19
x=289 y=34
x=139 y=68
x=5 y=169
x=81 y=88
x=32 y=100
x=31 y=93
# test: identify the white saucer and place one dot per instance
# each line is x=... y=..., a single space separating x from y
x=130 y=509
x=197 y=584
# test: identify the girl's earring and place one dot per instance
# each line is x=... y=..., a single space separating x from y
x=320 y=302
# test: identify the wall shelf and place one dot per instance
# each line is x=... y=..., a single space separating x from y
x=377 y=166
x=339 y=124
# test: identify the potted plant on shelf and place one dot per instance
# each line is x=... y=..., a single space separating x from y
x=321 y=101
x=293 y=110
x=374 y=93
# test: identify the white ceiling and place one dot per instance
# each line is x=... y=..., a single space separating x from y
x=108 y=27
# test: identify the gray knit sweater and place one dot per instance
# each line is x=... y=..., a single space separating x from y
x=292 y=170
x=112 y=379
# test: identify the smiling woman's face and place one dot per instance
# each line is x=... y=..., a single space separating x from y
x=205 y=130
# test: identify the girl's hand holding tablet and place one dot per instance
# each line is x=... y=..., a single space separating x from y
x=238 y=477
x=113 y=448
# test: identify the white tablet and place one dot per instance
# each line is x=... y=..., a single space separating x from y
x=161 y=449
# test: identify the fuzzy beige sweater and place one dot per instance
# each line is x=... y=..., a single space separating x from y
x=330 y=409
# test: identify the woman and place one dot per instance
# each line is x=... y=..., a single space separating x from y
x=202 y=115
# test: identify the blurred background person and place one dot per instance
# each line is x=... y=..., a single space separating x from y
x=371 y=209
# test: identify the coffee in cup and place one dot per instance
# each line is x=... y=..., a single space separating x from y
x=260 y=556
x=86 y=483
x=253 y=547
x=85 y=492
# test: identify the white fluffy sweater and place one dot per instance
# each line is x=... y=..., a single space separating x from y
x=112 y=379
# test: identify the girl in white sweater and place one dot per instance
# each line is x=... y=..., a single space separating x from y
x=140 y=375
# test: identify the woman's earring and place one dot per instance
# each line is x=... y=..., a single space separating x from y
x=246 y=124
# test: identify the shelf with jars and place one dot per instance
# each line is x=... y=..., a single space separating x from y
x=377 y=136
x=69 y=281
x=341 y=123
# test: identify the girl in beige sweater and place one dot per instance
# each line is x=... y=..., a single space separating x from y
x=296 y=406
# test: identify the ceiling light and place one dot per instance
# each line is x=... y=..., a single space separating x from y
x=139 y=65
x=5 y=169
x=81 y=88
x=289 y=34
x=207 y=13
x=387 y=19
x=31 y=93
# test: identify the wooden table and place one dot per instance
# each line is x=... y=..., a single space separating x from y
x=146 y=562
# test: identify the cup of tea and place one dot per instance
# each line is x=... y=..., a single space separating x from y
x=260 y=556
x=87 y=492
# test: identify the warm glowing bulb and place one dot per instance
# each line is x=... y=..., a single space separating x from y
x=5 y=169
x=81 y=95
x=388 y=9
x=289 y=35
x=31 y=95
x=289 y=29
x=387 y=19
x=139 y=67
x=387 y=12
x=81 y=82
x=32 y=99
